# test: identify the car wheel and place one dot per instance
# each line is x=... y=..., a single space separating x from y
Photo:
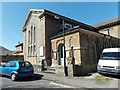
x=31 y=76
x=13 y=77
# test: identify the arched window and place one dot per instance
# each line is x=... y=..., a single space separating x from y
x=28 y=37
x=31 y=51
x=31 y=33
x=34 y=34
x=34 y=50
x=28 y=51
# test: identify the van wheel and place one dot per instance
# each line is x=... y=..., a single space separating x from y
x=13 y=77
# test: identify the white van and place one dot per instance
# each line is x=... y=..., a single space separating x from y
x=109 y=62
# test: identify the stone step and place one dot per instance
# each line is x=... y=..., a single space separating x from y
x=50 y=70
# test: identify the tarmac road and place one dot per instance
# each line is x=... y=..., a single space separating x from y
x=53 y=82
x=34 y=82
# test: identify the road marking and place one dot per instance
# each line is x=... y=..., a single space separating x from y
x=61 y=85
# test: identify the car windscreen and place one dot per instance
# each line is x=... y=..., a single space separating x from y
x=110 y=56
x=25 y=64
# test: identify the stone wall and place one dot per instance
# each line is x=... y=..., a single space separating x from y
x=92 y=45
x=113 y=31
x=52 y=27
x=87 y=48
x=39 y=25
x=46 y=26
x=75 y=43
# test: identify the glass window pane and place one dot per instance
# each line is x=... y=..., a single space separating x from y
x=27 y=64
x=111 y=55
x=13 y=64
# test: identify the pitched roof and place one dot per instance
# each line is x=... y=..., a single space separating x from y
x=3 y=48
x=67 y=32
x=28 y=16
x=108 y=23
x=5 y=51
x=46 y=12
x=78 y=29
x=21 y=44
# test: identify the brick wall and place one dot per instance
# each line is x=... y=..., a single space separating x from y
x=6 y=58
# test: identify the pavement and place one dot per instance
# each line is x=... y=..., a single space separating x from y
x=93 y=81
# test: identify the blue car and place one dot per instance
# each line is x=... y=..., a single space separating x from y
x=16 y=69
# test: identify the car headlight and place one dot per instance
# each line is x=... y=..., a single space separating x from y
x=117 y=67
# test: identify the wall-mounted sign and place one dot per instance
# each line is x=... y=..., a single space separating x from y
x=55 y=56
x=41 y=51
x=67 y=54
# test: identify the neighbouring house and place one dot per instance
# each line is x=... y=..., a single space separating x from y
x=19 y=49
x=5 y=51
x=6 y=55
x=5 y=58
x=110 y=27
x=53 y=37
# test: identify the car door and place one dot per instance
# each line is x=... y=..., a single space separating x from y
x=1 y=67
x=29 y=67
x=12 y=68
x=6 y=68
x=25 y=67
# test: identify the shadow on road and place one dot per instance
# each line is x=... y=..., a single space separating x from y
x=31 y=78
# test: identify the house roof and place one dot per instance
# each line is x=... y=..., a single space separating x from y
x=78 y=29
x=3 y=48
x=4 y=51
x=60 y=17
x=21 y=44
x=67 y=32
x=108 y=23
x=105 y=24
x=29 y=15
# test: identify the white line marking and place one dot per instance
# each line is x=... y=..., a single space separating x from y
x=61 y=85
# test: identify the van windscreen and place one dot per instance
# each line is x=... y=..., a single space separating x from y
x=110 y=55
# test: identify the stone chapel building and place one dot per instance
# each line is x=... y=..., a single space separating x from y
x=50 y=36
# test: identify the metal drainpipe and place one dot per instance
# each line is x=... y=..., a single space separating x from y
x=65 y=68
